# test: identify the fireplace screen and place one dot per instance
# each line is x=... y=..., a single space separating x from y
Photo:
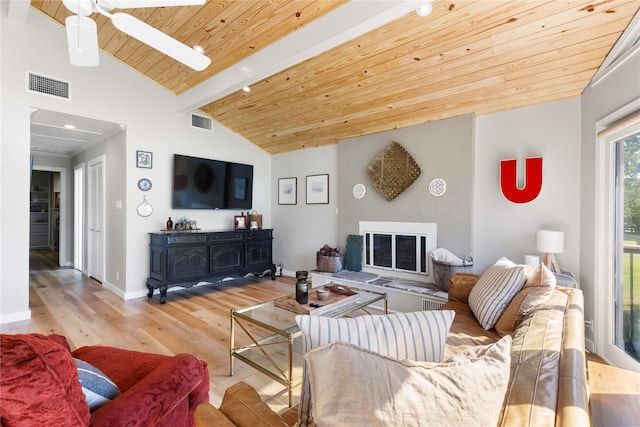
x=400 y=252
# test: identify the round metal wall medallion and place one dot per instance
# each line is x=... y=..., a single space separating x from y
x=437 y=187
x=359 y=191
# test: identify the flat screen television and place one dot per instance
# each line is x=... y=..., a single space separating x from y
x=211 y=184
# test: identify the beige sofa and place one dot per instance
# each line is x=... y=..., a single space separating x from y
x=547 y=385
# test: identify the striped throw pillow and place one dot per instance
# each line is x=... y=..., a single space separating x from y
x=419 y=336
x=494 y=291
x=96 y=386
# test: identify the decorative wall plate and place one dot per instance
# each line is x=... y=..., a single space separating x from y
x=144 y=208
x=437 y=187
x=359 y=191
x=144 y=184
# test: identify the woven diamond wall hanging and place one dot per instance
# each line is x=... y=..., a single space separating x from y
x=392 y=171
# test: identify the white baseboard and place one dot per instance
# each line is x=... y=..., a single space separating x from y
x=589 y=345
x=113 y=289
x=135 y=294
x=288 y=273
x=15 y=317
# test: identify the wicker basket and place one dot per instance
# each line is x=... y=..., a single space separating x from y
x=442 y=271
x=329 y=264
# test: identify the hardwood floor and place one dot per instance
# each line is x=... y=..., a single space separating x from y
x=614 y=394
x=196 y=321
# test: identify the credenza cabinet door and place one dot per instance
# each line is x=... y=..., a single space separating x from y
x=187 y=262
x=259 y=254
x=228 y=257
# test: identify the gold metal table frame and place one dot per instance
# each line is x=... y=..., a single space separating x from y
x=277 y=354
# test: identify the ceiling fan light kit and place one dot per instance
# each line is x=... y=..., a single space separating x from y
x=82 y=33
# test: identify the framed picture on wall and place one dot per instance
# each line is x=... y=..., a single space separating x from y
x=287 y=191
x=318 y=189
x=144 y=159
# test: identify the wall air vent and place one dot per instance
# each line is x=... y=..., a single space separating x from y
x=44 y=85
x=201 y=122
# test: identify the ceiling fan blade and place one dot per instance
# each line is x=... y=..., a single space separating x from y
x=82 y=39
x=160 y=41
x=134 y=4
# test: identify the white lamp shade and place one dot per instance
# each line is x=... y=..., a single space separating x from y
x=550 y=241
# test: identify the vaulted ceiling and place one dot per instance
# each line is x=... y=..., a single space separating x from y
x=467 y=56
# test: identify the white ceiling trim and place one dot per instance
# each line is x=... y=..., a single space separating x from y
x=627 y=45
x=336 y=27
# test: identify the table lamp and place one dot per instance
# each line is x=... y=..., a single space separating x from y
x=550 y=242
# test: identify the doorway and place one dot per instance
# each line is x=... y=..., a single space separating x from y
x=47 y=210
x=64 y=142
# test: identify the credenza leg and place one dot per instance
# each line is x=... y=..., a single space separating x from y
x=163 y=294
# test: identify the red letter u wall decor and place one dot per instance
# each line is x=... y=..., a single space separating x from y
x=532 y=182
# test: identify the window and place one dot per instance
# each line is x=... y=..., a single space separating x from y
x=617 y=241
x=627 y=245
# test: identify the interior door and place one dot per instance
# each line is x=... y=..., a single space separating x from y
x=96 y=218
x=78 y=218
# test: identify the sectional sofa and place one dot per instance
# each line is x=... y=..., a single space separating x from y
x=545 y=384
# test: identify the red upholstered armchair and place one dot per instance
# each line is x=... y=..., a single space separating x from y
x=39 y=385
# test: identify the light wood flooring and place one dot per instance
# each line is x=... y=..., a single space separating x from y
x=195 y=320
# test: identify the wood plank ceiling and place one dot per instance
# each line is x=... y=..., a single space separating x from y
x=468 y=56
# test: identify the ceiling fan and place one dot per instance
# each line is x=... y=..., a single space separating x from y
x=82 y=32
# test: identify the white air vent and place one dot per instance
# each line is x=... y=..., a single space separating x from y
x=431 y=304
x=201 y=122
x=44 y=85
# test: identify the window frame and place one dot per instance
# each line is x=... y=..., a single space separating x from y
x=609 y=133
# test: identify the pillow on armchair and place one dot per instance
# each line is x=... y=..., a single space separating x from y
x=39 y=383
x=96 y=386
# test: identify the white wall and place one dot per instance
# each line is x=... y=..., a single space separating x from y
x=503 y=228
x=300 y=230
x=111 y=92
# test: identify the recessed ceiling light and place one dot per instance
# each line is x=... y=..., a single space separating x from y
x=425 y=9
x=199 y=49
x=69 y=126
x=246 y=89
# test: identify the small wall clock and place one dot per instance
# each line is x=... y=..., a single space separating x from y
x=144 y=184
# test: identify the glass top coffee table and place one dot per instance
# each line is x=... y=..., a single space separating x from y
x=271 y=341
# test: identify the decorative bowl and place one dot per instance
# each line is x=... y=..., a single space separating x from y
x=323 y=294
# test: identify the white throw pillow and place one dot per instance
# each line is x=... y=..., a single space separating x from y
x=494 y=291
x=418 y=336
x=356 y=387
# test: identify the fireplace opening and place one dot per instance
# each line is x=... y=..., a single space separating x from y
x=403 y=248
